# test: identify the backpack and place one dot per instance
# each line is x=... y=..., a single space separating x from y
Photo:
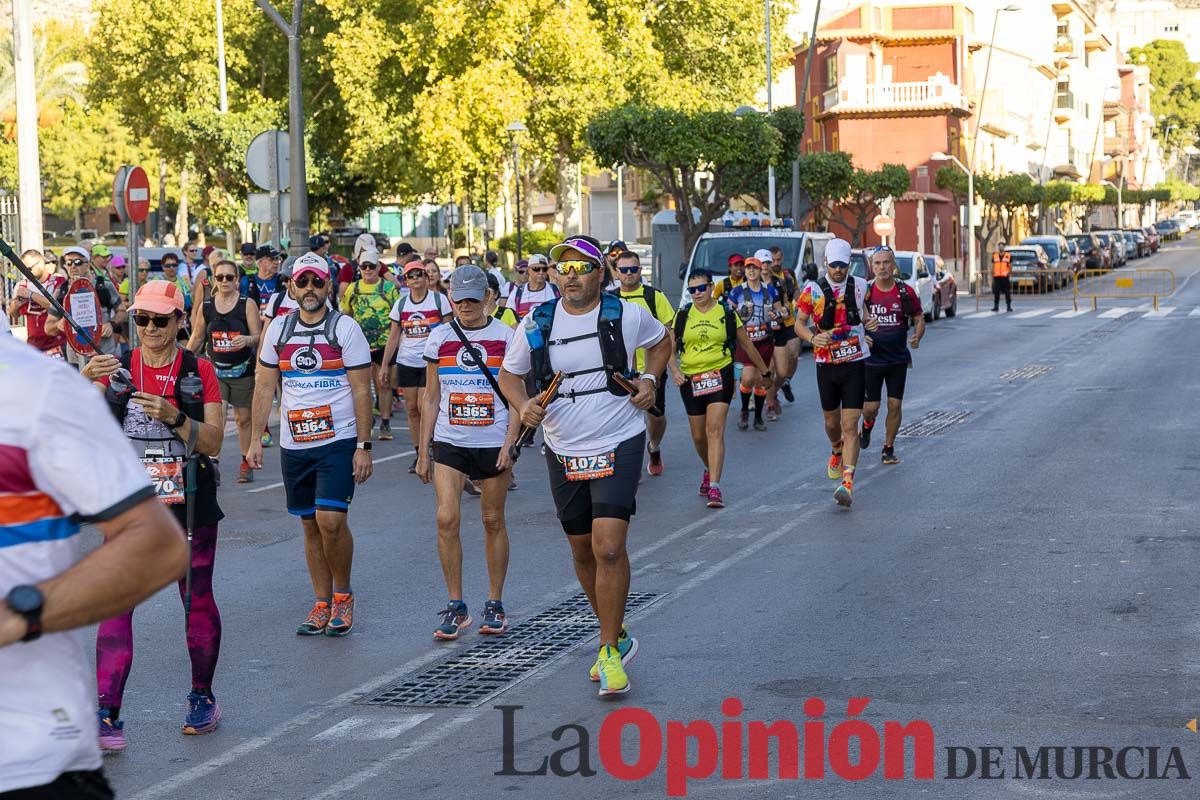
x=521 y=290
x=539 y=324
x=648 y=293
x=907 y=299
x=437 y=301
x=730 y=328
x=853 y=317
x=330 y=331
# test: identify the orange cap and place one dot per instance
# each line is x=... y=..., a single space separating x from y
x=158 y=297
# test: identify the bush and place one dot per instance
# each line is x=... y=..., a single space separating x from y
x=531 y=242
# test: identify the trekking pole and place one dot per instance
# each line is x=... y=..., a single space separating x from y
x=7 y=251
x=544 y=399
x=629 y=386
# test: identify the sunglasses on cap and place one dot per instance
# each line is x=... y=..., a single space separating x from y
x=629 y=270
x=701 y=288
x=304 y=281
x=144 y=320
x=578 y=267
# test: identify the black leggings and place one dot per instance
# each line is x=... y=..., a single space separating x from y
x=68 y=786
x=1001 y=286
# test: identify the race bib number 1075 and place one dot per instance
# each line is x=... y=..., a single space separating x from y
x=589 y=468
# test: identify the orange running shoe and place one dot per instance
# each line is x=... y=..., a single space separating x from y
x=342 y=617
x=834 y=470
x=317 y=620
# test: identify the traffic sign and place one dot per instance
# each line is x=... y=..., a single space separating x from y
x=118 y=193
x=268 y=161
x=137 y=195
x=883 y=225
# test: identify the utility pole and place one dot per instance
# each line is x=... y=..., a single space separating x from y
x=808 y=62
x=224 y=96
x=298 y=233
x=770 y=167
x=29 y=170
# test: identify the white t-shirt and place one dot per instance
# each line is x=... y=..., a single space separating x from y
x=529 y=298
x=4 y=326
x=504 y=285
x=56 y=436
x=317 y=405
x=594 y=423
x=417 y=321
x=470 y=414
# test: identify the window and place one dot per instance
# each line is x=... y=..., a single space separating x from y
x=1171 y=28
x=833 y=140
x=1064 y=27
x=831 y=71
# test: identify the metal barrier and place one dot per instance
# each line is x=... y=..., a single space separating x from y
x=1046 y=285
x=1125 y=284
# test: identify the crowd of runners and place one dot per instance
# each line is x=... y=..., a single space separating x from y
x=314 y=355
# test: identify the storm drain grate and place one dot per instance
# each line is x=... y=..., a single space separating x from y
x=1026 y=373
x=933 y=422
x=475 y=676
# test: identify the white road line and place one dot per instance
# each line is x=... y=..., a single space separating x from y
x=1119 y=311
x=1161 y=313
x=374 y=461
x=1037 y=312
x=365 y=729
x=987 y=314
x=1195 y=312
x=1073 y=314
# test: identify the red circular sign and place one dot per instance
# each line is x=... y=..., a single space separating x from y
x=137 y=195
x=83 y=304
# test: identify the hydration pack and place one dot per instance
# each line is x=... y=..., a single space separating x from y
x=730 y=328
x=853 y=317
x=539 y=325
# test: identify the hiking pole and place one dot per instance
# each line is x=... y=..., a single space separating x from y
x=629 y=386
x=7 y=251
x=544 y=399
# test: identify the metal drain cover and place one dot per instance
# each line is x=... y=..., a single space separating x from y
x=933 y=422
x=1027 y=373
x=475 y=676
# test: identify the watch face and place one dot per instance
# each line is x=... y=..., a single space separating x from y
x=24 y=599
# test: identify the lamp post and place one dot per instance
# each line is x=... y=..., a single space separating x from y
x=940 y=156
x=770 y=167
x=513 y=129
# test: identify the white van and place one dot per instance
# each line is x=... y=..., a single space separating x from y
x=712 y=251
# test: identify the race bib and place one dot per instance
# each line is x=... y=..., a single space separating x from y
x=167 y=476
x=589 y=468
x=416 y=328
x=756 y=332
x=222 y=341
x=477 y=408
x=311 y=424
x=707 y=383
x=848 y=349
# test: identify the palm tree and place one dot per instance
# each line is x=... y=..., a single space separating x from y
x=57 y=81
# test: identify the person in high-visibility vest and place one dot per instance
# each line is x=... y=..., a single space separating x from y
x=1001 y=277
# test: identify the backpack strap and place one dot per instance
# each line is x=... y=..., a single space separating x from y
x=517 y=299
x=554 y=290
x=730 y=330
x=331 y=322
x=681 y=326
x=289 y=329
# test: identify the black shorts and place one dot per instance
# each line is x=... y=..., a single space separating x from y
x=319 y=477
x=784 y=335
x=377 y=357
x=613 y=496
x=410 y=377
x=67 y=786
x=477 y=463
x=842 y=385
x=698 y=406
x=894 y=375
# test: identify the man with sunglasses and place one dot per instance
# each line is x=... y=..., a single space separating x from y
x=595 y=430
x=633 y=290
x=836 y=304
x=170 y=270
x=524 y=298
x=369 y=300
x=324 y=432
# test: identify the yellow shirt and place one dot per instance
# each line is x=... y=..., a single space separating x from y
x=506 y=315
x=719 y=289
x=704 y=345
x=663 y=311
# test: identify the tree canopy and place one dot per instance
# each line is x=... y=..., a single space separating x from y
x=866 y=190
x=1176 y=95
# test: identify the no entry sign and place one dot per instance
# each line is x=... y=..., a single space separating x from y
x=131 y=194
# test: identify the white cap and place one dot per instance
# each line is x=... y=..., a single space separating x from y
x=764 y=255
x=837 y=250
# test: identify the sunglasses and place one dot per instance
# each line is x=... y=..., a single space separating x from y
x=304 y=281
x=701 y=289
x=578 y=267
x=224 y=278
x=368 y=266
x=838 y=266
x=190 y=251
x=74 y=262
x=538 y=269
x=629 y=270
x=144 y=321
x=522 y=271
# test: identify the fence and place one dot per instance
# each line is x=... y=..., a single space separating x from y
x=1062 y=285
x=1048 y=285
x=10 y=231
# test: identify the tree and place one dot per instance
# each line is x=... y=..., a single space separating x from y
x=1010 y=196
x=790 y=124
x=954 y=180
x=824 y=177
x=702 y=159
x=1176 y=98
x=1088 y=196
x=57 y=77
x=868 y=188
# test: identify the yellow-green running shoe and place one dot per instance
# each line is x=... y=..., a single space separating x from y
x=613 y=679
x=626 y=644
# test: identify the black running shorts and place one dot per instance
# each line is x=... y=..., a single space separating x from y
x=613 y=496
x=894 y=375
x=698 y=406
x=477 y=463
x=410 y=377
x=842 y=385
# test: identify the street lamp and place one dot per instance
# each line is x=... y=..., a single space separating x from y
x=514 y=128
x=770 y=167
x=942 y=157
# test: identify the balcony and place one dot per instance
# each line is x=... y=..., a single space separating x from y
x=935 y=93
x=1066 y=107
x=1064 y=45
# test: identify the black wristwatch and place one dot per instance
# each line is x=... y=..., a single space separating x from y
x=180 y=418
x=26 y=601
x=363 y=446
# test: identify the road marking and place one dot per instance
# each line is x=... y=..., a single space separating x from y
x=1037 y=312
x=1072 y=314
x=1195 y=312
x=1114 y=313
x=365 y=729
x=1161 y=313
x=374 y=461
x=986 y=314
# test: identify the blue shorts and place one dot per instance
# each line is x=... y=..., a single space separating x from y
x=319 y=477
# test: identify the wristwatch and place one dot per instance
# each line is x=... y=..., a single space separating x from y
x=646 y=376
x=363 y=446
x=26 y=601
x=180 y=418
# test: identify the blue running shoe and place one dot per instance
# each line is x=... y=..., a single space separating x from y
x=203 y=714
x=494 y=619
x=112 y=734
x=455 y=619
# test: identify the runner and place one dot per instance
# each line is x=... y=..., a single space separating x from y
x=469 y=430
x=495 y=295
x=595 y=431
x=895 y=306
x=228 y=328
x=266 y=277
x=29 y=301
x=758 y=305
x=787 y=344
x=171 y=272
x=369 y=300
x=706 y=333
x=413 y=319
x=167 y=422
x=56 y=437
x=840 y=348
x=632 y=290
x=111 y=309
x=325 y=436
x=736 y=276
x=491 y=260
x=524 y=298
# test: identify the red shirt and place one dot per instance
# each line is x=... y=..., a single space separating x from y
x=36 y=316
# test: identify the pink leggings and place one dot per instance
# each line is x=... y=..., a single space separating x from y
x=114 y=642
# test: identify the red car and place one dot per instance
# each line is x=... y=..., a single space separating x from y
x=1151 y=237
x=945 y=288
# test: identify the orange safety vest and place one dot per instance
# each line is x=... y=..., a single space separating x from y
x=1001 y=265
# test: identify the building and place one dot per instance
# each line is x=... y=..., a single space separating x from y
x=1135 y=23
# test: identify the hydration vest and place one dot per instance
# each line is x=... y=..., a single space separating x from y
x=828 y=313
x=539 y=324
x=730 y=328
x=292 y=320
x=188 y=365
x=521 y=290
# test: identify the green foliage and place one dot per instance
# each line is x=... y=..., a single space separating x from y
x=867 y=189
x=79 y=158
x=537 y=241
x=1176 y=95
x=1057 y=193
x=825 y=177
x=1178 y=191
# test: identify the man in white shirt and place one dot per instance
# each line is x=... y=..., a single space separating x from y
x=595 y=430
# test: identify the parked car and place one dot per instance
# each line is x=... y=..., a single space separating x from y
x=1140 y=243
x=945 y=288
x=1095 y=254
x=1114 y=246
x=914 y=270
x=1152 y=237
x=1060 y=256
x=1168 y=229
x=1185 y=222
x=1077 y=259
x=1029 y=267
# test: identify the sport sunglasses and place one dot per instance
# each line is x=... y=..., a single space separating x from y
x=704 y=287
x=578 y=267
x=629 y=270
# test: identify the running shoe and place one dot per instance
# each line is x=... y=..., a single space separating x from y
x=245 y=474
x=318 y=620
x=772 y=414
x=455 y=620
x=844 y=494
x=715 y=500
x=412 y=468
x=341 y=618
x=786 y=389
x=704 y=482
x=613 y=679
x=112 y=733
x=744 y=420
x=834 y=470
x=627 y=646
x=494 y=619
x=655 y=467
x=759 y=425
x=512 y=485
x=385 y=431
x=266 y=439
x=203 y=714
x=472 y=488
x=864 y=437
x=889 y=456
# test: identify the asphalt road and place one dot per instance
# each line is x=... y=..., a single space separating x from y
x=1022 y=578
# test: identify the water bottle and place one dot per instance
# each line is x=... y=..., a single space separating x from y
x=737 y=372
x=191 y=394
x=120 y=390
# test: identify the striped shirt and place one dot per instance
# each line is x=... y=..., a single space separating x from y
x=470 y=414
